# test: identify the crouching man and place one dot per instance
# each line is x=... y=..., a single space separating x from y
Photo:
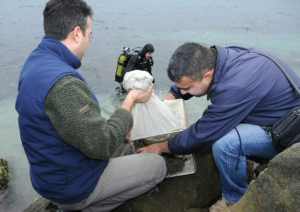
x=248 y=94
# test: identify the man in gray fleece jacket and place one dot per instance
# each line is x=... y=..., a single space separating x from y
x=70 y=146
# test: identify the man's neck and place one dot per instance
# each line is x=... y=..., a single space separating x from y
x=71 y=47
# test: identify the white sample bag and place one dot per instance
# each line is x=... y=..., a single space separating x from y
x=153 y=117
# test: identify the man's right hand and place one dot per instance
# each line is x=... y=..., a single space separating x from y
x=141 y=96
x=136 y=96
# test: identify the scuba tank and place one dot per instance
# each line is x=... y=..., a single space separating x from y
x=122 y=62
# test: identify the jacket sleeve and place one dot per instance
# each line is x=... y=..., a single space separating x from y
x=227 y=110
x=77 y=118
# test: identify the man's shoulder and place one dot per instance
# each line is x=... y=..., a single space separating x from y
x=69 y=81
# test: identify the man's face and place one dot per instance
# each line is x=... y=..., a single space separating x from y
x=148 y=55
x=85 y=38
x=187 y=85
x=87 y=35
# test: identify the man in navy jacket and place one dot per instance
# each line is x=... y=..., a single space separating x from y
x=248 y=93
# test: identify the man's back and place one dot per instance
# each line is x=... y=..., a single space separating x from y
x=246 y=76
x=136 y=62
x=58 y=171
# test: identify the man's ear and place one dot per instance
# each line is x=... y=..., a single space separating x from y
x=76 y=34
x=209 y=74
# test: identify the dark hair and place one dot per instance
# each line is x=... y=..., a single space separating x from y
x=62 y=16
x=147 y=48
x=192 y=60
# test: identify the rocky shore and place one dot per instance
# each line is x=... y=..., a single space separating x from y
x=277 y=188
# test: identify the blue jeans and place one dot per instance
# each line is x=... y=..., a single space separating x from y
x=230 y=155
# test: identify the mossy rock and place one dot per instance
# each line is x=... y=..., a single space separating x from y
x=277 y=188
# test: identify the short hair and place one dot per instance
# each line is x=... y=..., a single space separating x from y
x=62 y=16
x=147 y=48
x=191 y=60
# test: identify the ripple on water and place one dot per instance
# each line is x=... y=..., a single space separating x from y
x=20 y=192
x=28 y=6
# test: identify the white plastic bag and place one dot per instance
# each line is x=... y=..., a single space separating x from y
x=153 y=117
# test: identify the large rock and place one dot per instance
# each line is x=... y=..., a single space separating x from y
x=277 y=188
x=179 y=194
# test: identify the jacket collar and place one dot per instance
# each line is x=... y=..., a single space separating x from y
x=60 y=50
x=218 y=70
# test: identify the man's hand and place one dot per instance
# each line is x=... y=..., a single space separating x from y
x=155 y=148
x=141 y=96
x=136 y=96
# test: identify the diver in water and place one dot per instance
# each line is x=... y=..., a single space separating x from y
x=141 y=61
x=137 y=60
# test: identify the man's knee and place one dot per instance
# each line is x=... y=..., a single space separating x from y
x=218 y=148
x=155 y=165
x=228 y=144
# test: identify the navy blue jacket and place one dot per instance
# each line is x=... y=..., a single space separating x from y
x=59 y=172
x=246 y=88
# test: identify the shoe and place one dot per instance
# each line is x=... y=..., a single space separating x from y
x=254 y=169
x=220 y=206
